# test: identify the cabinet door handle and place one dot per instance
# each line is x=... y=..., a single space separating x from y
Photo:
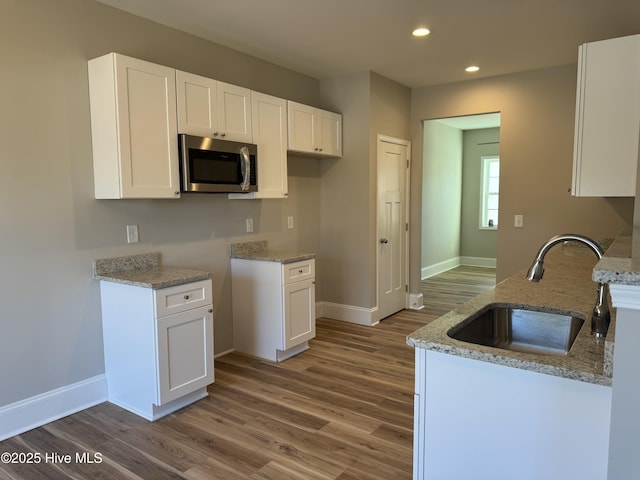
x=300 y=271
x=210 y=310
x=186 y=297
x=384 y=241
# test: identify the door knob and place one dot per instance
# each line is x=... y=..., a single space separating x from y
x=383 y=241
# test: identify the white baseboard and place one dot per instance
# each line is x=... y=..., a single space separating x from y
x=478 y=262
x=438 y=268
x=454 y=262
x=416 y=301
x=226 y=351
x=348 y=313
x=33 y=412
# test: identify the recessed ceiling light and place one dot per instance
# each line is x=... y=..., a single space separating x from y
x=472 y=68
x=421 y=32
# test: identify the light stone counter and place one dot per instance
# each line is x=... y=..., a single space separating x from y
x=621 y=262
x=259 y=251
x=567 y=285
x=144 y=270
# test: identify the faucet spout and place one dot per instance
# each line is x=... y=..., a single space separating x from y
x=600 y=317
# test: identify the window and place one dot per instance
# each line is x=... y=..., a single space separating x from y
x=489 y=192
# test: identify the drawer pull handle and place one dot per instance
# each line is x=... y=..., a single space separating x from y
x=186 y=297
x=300 y=271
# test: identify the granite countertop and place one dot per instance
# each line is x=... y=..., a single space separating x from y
x=567 y=285
x=145 y=271
x=259 y=251
x=621 y=262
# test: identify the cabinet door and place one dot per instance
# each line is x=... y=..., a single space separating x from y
x=234 y=113
x=185 y=353
x=330 y=133
x=196 y=98
x=135 y=150
x=607 y=118
x=270 y=134
x=299 y=312
x=302 y=127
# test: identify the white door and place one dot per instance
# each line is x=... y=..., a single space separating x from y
x=393 y=170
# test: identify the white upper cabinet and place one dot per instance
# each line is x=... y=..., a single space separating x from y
x=133 y=128
x=210 y=108
x=269 y=120
x=314 y=131
x=607 y=118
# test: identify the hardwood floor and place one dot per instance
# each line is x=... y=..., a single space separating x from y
x=444 y=292
x=341 y=410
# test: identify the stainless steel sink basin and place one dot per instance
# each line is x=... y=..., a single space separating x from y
x=520 y=329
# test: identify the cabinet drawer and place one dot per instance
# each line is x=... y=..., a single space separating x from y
x=183 y=297
x=294 y=272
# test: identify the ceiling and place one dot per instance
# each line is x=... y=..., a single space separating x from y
x=332 y=38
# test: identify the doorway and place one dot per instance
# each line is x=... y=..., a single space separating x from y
x=392 y=228
x=459 y=199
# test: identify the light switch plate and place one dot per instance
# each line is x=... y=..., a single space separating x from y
x=132 y=234
x=518 y=221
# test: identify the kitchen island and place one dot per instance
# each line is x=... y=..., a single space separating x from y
x=488 y=413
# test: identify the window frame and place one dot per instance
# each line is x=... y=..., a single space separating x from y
x=483 y=219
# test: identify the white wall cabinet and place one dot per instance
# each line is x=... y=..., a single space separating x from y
x=210 y=108
x=269 y=122
x=607 y=118
x=158 y=345
x=133 y=128
x=314 y=131
x=273 y=307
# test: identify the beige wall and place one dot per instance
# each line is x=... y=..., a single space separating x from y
x=536 y=147
x=370 y=105
x=53 y=228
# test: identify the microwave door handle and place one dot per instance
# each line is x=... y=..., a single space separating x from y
x=245 y=168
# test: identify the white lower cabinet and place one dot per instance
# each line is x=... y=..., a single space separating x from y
x=483 y=421
x=158 y=345
x=273 y=307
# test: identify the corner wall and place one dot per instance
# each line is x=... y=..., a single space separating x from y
x=536 y=149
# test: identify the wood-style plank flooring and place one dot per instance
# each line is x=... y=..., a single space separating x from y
x=444 y=292
x=341 y=410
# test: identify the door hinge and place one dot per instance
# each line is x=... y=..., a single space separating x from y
x=406 y=227
x=407 y=163
x=406 y=288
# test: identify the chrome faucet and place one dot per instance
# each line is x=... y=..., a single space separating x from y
x=600 y=318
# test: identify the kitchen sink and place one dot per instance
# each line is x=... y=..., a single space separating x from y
x=520 y=329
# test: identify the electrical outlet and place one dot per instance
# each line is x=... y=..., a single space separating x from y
x=290 y=223
x=249 y=223
x=132 y=233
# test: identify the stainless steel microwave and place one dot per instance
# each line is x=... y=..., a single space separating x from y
x=217 y=166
